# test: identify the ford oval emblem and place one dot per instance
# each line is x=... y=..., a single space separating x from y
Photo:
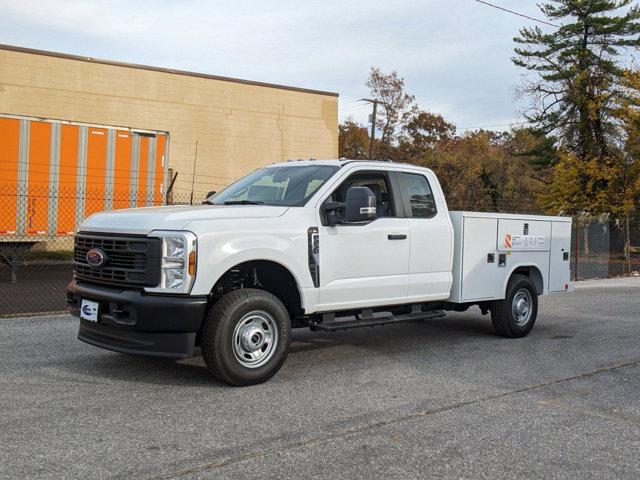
x=96 y=258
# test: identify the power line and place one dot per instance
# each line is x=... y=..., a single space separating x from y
x=518 y=14
x=349 y=107
x=492 y=126
x=352 y=105
x=346 y=102
x=348 y=110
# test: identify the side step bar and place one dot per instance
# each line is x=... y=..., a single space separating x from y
x=373 y=322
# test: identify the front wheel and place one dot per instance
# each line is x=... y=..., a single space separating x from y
x=245 y=337
x=515 y=316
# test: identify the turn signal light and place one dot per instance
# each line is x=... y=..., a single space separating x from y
x=192 y=263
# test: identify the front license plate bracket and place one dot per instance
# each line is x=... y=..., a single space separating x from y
x=89 y=310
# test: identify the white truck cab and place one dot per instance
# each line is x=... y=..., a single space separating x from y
x=326 y=245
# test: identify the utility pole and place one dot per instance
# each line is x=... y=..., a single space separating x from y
x=193 y=175
x=373 y=124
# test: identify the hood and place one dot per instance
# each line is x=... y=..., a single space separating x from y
x=144 y=220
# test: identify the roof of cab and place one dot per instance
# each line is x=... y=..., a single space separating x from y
x=341 y=162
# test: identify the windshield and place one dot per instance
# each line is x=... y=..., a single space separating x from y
x=279 y=185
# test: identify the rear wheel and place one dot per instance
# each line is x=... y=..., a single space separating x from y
x=515 y=316
x=245 y=337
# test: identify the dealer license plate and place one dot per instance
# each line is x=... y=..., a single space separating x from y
x=89 y=310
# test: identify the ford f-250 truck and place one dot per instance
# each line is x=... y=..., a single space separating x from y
x=326 y=245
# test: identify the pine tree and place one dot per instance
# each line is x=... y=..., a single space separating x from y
x=578 y=71
x=578 y=87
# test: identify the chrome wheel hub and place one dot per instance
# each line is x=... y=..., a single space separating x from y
x=521 y=307
x=255 y=339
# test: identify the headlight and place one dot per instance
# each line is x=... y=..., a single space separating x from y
x=178 y=262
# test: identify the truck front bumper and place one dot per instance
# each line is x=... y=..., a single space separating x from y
x=131 y=321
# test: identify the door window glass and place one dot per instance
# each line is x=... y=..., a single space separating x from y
x=419 y=193
x=377 y=183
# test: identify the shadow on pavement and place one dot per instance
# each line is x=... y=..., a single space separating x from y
x=436 y=335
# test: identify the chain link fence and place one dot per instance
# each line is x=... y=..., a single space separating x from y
x=36 y=242
x=601 y=250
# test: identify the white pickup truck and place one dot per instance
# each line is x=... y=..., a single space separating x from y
x=326 y=245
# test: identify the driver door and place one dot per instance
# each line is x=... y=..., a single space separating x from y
x=365 y=264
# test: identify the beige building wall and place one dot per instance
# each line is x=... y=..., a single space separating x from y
x=238 y=125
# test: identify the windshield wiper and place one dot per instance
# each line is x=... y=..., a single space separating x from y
x=243 y=202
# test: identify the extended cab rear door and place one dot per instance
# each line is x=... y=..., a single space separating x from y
x=431 y=246
x=365 y=265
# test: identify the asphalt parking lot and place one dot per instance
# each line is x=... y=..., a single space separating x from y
x=436 y=399
x=41 y=287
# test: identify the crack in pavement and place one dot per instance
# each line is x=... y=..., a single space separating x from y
x=591 y=413
x=382 y=423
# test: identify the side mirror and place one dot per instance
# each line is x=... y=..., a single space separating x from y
x=360 y=205
x=213 y=192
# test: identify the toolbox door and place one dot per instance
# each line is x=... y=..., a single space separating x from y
x=481 y=277
x=559 y=260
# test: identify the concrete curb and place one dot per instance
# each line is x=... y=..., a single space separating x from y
x=622 y=282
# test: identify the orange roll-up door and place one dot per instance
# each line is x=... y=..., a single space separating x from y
x=159 y=176
x=142 y=171
x=96 y=169
x=38 y=186
x=68 y=179
x=9 y=154
x=122 y=170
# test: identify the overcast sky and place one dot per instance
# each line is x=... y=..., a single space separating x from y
x=453 y=54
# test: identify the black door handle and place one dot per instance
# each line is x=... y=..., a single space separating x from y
x=397 y=237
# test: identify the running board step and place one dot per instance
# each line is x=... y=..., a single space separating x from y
x=374 y=322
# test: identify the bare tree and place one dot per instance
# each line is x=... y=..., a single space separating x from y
x=397 y=106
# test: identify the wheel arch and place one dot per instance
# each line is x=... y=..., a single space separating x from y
x=528 y=270
x=265 y=274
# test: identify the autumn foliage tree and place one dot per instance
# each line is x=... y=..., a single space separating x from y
x=577 y=88
x=478 y=170
x=481 y=170
x=423 y=133
x=580 y=153
x=353 y=140
x=395 y=108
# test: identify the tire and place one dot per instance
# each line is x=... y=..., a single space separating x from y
x=245 y=337
x=515 y=316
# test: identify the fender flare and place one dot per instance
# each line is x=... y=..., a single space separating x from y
x=538 y=281
x=258 y=255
